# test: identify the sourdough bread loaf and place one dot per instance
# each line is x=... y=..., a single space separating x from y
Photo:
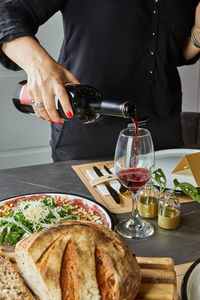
x=12 y=286
x=78 y=260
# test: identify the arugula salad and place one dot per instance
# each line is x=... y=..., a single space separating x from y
x=31 y=217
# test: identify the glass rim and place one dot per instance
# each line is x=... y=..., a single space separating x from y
x=132 y=131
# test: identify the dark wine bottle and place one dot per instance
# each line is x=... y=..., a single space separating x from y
x=87 y=103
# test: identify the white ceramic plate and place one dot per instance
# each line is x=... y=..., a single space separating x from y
x=190 y=288
x=167 y=160
x=101 y=210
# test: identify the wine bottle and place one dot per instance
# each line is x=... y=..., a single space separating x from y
x=87 y=103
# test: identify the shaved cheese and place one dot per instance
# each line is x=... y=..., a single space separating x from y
x=25 y=216
x=34 y=211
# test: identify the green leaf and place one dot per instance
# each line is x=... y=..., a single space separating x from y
x=188 y=189
x=160 y=178
x=70 y=218
x=13 y=237
x=49 y=201
x=1 y=237
x=15 y=226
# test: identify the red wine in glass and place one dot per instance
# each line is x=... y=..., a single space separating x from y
x=134 y=178
x=134 y=161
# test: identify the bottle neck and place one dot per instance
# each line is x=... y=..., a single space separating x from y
x=117 y=108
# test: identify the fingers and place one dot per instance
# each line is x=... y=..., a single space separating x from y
x=50 y=112
x=62 y=94
x=197 y=13
x=36 y=97
x=44 y=105
x=64 y=100
x=44 y=101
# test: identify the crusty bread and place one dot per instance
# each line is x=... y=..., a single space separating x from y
x=12 y=286
x=77 y=260
x=69 y=274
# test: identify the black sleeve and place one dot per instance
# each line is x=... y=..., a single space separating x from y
x=193 y=60
x=22 y=18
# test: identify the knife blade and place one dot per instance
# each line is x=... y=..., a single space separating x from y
x=123 y=189
x=113 y=193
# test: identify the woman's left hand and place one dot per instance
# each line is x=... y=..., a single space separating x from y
x=190 y=50
x=197 y=21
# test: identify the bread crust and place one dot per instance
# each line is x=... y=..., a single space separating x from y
x=11 y=284
x=108 y=286
x=42 y=255
x=69 y=280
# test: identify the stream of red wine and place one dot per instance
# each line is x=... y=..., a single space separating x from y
x=134 y=178
x=135 y=127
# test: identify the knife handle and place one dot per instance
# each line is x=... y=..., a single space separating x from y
x=112 y=191
x=123 y=189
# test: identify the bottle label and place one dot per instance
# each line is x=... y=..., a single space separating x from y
x=24 y=98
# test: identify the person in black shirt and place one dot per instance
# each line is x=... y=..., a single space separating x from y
x=126 y=49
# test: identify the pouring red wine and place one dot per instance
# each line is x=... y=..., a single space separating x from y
x=134 y=163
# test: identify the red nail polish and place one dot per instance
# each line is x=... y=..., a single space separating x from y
x=69 y=114
x=53 y=122
x=60 y=123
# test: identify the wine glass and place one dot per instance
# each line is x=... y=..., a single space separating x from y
x=134 y=163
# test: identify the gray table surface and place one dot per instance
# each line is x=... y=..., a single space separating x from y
x=182 y=244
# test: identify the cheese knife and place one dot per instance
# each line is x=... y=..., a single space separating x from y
x=113 y=193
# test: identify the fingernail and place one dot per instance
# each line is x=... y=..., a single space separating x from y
x=60 y=123
x=53 y=122
x=69 y=114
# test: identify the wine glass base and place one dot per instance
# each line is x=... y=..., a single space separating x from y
x=128 y=229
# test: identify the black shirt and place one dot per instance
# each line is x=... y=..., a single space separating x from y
x=128 y=49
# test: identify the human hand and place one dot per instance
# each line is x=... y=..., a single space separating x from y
x=45 y=81
x=196 y=28
x=46 y=77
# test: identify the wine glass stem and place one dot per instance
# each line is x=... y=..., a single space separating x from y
x=134 y=204
x=135 y=218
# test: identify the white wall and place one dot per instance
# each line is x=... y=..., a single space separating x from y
x=24 y=139
x=190 y=87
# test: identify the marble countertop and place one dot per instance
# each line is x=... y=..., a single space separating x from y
x=182 y=244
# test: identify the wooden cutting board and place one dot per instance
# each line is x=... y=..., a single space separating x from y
x=158 y=279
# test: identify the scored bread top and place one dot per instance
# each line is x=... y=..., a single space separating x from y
x=96 y=248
